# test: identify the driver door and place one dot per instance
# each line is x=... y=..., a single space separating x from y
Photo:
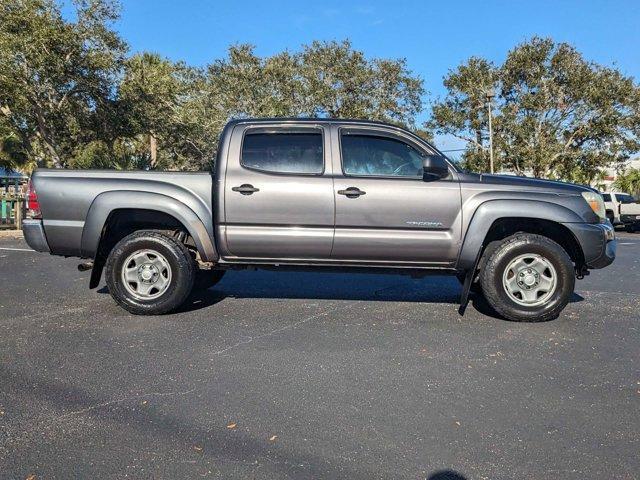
x=385 y=211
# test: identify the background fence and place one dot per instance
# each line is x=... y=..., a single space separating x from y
x=12 y=204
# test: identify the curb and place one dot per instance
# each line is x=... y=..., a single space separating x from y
x=10 y=233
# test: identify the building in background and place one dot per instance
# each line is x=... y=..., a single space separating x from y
x=11 y=181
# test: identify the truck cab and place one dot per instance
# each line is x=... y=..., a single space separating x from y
x=307 y=192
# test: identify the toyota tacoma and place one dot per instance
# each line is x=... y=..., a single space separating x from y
x=345 y=195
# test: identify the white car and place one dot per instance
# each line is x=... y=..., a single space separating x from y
x=622 y=209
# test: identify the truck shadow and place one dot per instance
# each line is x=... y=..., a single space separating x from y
x=335 y=286
x=327 y=286
x=446 y=475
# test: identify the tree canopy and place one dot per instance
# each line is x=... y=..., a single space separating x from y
x=556 y=115
x=73 y=96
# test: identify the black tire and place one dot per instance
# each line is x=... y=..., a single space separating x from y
x=491 y=278
x=629 y=228
x=176 y=255
x=610 y=216
x=206 y=279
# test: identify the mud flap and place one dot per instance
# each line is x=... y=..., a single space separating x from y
x=96 y=272
x=466 y=286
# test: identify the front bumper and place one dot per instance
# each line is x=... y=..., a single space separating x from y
x=33 y=232
x=598 y=242
x=630 y=219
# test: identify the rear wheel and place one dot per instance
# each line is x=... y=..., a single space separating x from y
x=149 y=273
x=528 y=278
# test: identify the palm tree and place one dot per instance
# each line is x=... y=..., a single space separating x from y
x=629 y=181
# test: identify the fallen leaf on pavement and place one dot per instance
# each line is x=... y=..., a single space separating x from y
x=231 y=426
x=272 y=439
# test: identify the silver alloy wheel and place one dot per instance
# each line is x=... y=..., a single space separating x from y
x=530 y=279
x=146 y=274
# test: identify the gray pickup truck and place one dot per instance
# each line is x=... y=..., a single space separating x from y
x=323 y=194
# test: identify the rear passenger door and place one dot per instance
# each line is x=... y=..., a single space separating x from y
x=279 y=201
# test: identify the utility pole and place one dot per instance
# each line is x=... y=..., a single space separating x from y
x=490 y=94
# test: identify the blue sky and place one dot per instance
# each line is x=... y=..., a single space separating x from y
x=433 y=36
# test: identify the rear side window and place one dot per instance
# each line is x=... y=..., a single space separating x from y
x=369 y=155
x=298 y=152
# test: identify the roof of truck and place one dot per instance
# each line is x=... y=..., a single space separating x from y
x=353 y=121
x=312 y=120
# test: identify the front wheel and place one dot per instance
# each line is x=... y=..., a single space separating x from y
x=528 y=278
x=149 y=273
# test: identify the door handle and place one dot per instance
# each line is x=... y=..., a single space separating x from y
x=246 y=189
x=352 y=192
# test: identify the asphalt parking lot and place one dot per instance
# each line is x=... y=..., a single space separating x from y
x=315 y=376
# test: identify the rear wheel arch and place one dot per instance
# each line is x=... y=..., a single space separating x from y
x=142 y=210
x=125 y=221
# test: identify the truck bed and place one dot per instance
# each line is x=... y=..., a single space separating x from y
x=66 y=196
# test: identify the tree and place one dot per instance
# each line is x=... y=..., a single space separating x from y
x=12 y=153
x=557 y=115
x=338 y=81
x=158 y=98
x=70 y=97
x=464 y=113
x=325 y=79
x=56 y=75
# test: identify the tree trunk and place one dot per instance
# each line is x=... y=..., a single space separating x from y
x=43 y=133
x=153 y=150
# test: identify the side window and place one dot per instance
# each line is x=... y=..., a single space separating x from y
x=284 y=152
x=606 y=197
x=625 y=199
x=370 y=155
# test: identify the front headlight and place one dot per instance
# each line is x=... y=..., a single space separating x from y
x=596 y=203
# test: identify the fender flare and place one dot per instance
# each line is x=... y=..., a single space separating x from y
x=105 y=203
x=490 y=211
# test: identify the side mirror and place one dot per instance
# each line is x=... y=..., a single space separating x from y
x=434 y=167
